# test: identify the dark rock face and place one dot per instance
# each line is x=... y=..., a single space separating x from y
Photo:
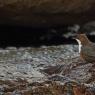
x=46 y=12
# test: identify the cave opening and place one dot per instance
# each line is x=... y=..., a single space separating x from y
x=32 y=36
x=25 y=36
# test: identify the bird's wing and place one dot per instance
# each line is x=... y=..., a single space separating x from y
x=89 y=50
x=93 y=45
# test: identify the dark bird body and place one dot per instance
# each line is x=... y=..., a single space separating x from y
x=87 y=48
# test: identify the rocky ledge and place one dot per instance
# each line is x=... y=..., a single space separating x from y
x=41 y=13
x=47 y=70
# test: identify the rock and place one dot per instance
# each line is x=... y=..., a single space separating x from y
x=69 y=88
x=48 y=73
x=11 y=48
x=53 y=69
x=46 y=12
x=26 y=92
x=8 y=93
x=89 y=28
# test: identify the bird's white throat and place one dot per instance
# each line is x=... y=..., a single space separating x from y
x=80 y=45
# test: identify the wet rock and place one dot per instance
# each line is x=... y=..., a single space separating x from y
x=8 y=93
x=11 y=48
x=89 y=27
x=10 y=86
x=1 y=90
x=70 y=88
x=54 y=70
x=62 y=79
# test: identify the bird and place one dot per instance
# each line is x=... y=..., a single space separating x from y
x=86 y=48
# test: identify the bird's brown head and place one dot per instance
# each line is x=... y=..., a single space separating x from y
x=82 y=38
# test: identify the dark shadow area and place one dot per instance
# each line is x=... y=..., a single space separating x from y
x=28 y=36
x=21 y=36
